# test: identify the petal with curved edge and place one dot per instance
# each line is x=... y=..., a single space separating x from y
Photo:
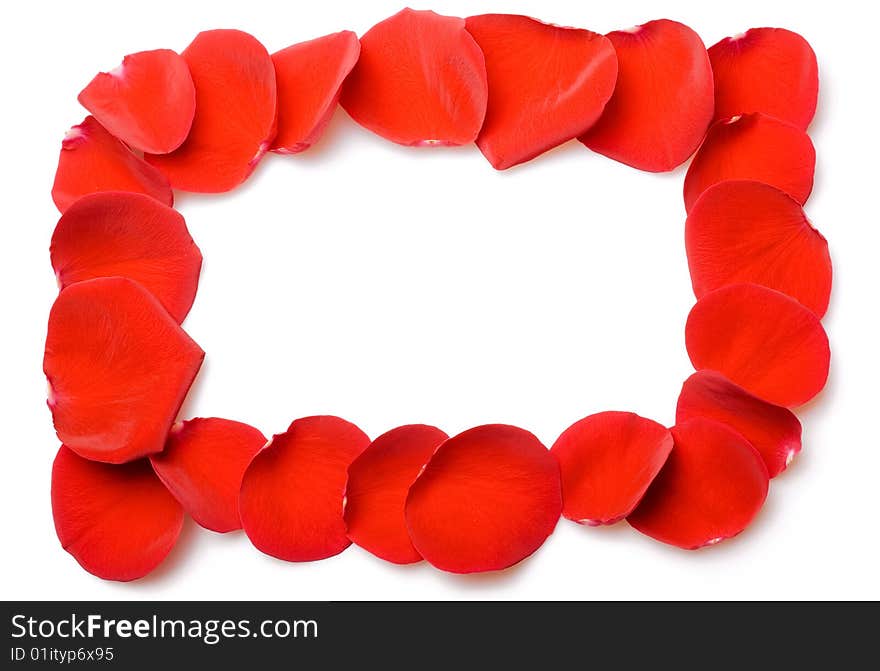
x=547 y=84
x=663 y=102
x=292 y=493
x=92 y=160
x=762 y=340
x=711 y=488
x=148 y=102
x=741 y=231
x=118 y=521
x=488 y=499
x=607 y=461
x=120 y=234
x=119 y=368
x=420 y=80
x=202 y=465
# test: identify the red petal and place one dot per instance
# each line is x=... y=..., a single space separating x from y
x=292 y=492
x=607 y=461
x=92 y=160
x=712 y=486
x=235 y=113
x=310 y=76
x=775 y=432
x=755 y=147
x=118 y=366
x=488 y=499
x=663 y=101
x=148 y=102
x=118 y=522
x=378 y=482
x=202 y=465
x=762 y=340
x=743 y=231
x=547 y=84
x=128 y=235
x=420 y=80
x=769 y=70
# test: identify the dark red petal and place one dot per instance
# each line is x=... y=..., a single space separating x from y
x=742 y=231
x=712 y=486
x=202 y=465
x=292 y=493
x=378 y=483
x=663 y=101
x=547 y=84
x=131 y=235
x=92 y=160
x=420 y=80
x=488 y=499
x=309 y=77
x=148 y=102
x=235 y=113
x=769 y=70
x=118 y=367
x=755 y=147
x=118 y=521
x=607 y=461
x=775 y=432
x=762 y=340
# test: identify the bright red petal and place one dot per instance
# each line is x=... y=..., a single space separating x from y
x=663 y=101
x=488 y=499
x=743 y=231
x=378 y=483
x=755 y=147
x=775 y=432
x=92 y=160
x=119 y=522
x=119 y=368
x=712 y=486
x=148 y=102
x=420 y=80
x=607 y=461
x=235 y=113
x=309 y=77
x=292 y=493
x=202 y=465
x=129 y=235
x=762 y=340
x=769 y=70
x=547 y=84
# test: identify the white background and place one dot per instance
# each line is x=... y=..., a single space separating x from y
x=391 y=285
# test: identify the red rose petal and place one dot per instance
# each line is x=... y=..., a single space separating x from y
x=775 y=432
x=118 y=521
x=235 y=113
x=378 y=483
x=547 y=84
x=663 y=101
x=309 y=77
x=420 y=80
x=92 y=160
x=762 y=340
x=712 y=486
x=755 y=147
x=129 y=235
x=118 y=367
x=769 y=70
x=292 y=492
x=607 y=461
x=148 y=102
x=488 y=499
x=202 y=465
x=743 y=231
